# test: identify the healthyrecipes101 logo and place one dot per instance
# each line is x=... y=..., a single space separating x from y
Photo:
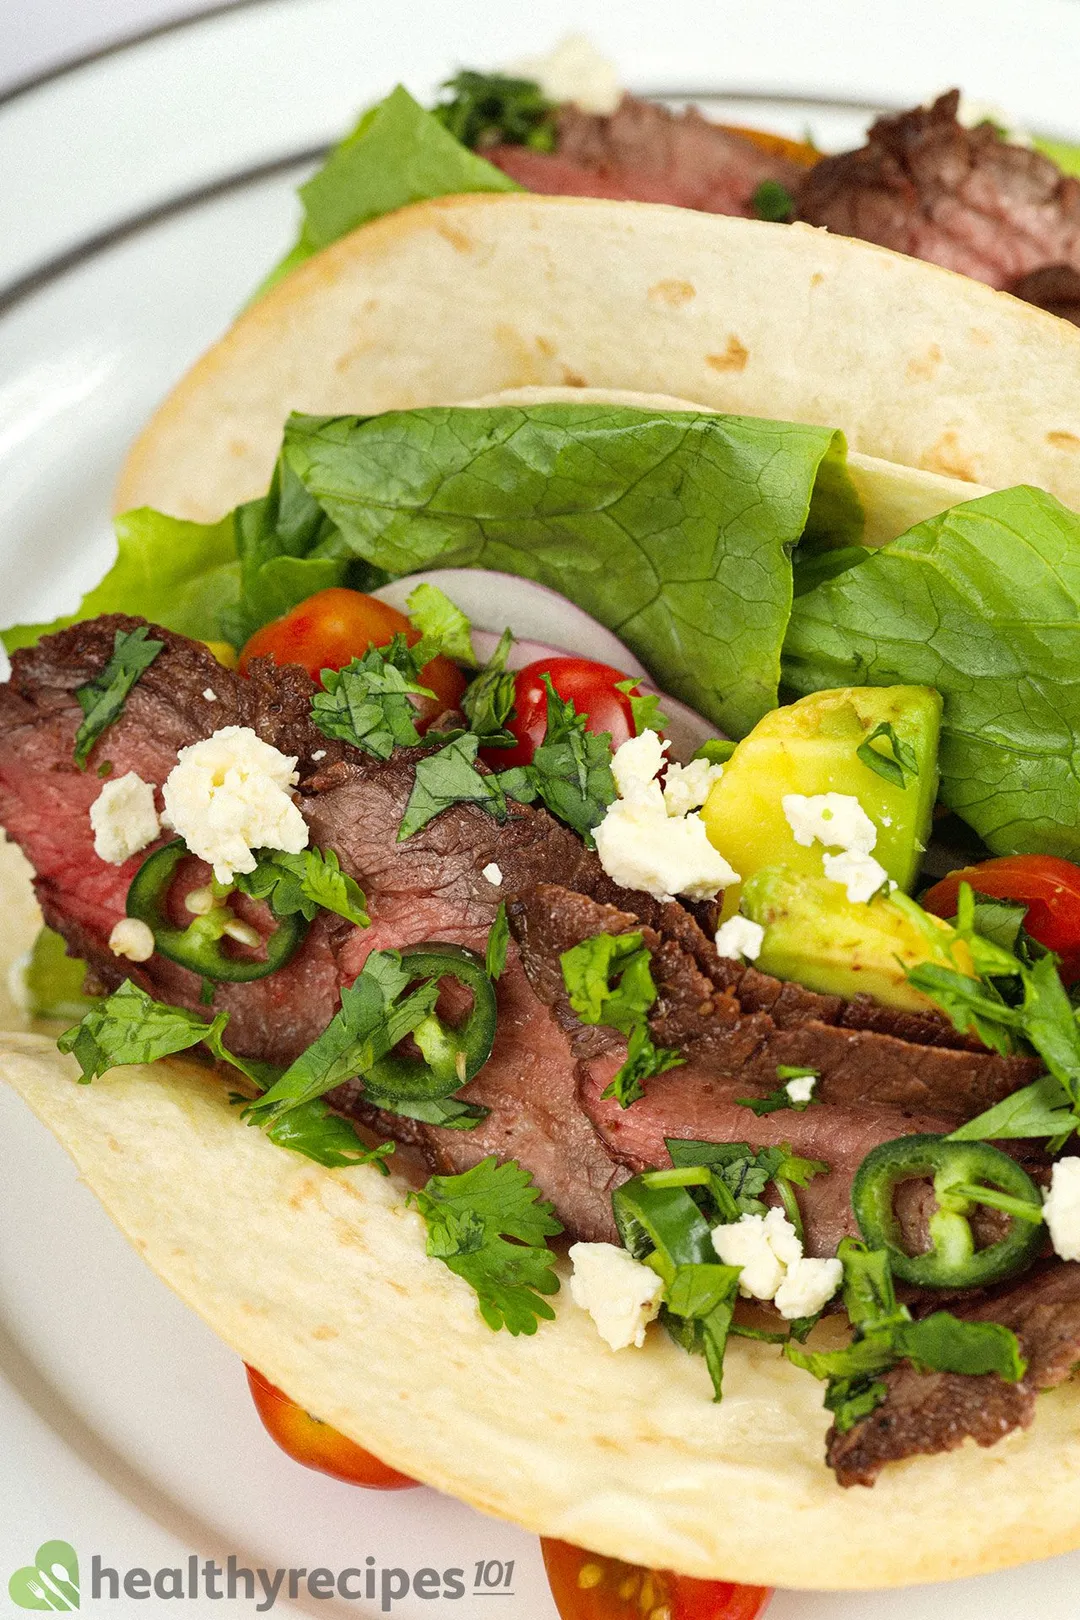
x=50 y=1582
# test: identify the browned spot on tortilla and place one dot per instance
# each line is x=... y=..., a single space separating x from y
x=573 y=379
x=946 y=457
x=673 y=293
x=114 y=1144
x=817 y=278
x=734 y=357
x=924 y=366
x=1063 y=440
x=522 y=354
x=299 y=1198
x=545 y=346
x=981 y=337
x=324 y=1331
x=458 y=239
x=237 y=448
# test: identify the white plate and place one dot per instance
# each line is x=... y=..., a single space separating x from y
x=145 y=194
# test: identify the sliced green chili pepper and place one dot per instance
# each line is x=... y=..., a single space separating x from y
x=450 y=1055
x=201 y=945
x=964 y=1174
x=661 y=1222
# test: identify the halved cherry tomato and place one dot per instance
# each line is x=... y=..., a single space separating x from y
x=1047 y=885
x=586 y=1586
x=592 y=687
x=334 y=626
x=315 y=1444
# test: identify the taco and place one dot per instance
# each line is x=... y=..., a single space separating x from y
x=609 y=927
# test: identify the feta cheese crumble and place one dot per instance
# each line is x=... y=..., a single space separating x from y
x=740 y=937
x=837 y=820
x=801 y=1089
x=209 y=694
x=642 y=845
x=230 y=795
x=620 y=1294
x=1061 y=1207
x=861 y=875
x=686 y=787
x=124 y=818
x=769 y=1251
x=493 y=873
x=132 y=939
x=574 y=71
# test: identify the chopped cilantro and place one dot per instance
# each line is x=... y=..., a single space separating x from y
x=369 y=702
x=305 y=883
x=896 y=766
x=498 y=943
x=781 y=1097
x=488 y=702
x=644 y=1060
x=489 y=1226
x=645 y=711
x=102 y=699
x=609 y=981
x=774 y=202
x=491 y=109
x=450 y=777
x=571 y=769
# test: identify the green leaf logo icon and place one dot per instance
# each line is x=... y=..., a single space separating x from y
x=50 y=1582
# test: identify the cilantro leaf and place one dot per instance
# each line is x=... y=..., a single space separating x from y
x=131 y=1027
x=375 y=1015
x=609 y=980
x=498 y=943
x=703 y=1296
x=442 y=625
x=102 y=699
x=645 y=711
x=369 y=702
x=488 y=702
x=306 y=882
x=781 y=1097
x=326 y=1138
x=571 y=769
x=450 y=777
x=490 y=1228
x=1041 y=1109
x=492 y=109
x=644 y=1059
x=896 y=766
x=774 y=202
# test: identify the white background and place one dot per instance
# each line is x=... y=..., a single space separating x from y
x=40 y=34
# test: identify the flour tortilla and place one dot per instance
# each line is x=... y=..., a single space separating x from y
x=468 y=296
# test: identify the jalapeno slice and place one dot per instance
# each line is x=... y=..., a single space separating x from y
x=451 y=1055
x=964 y=1174
x=201 y=945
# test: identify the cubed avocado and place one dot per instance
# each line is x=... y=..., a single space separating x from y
x=815 y=935
x=813 y=746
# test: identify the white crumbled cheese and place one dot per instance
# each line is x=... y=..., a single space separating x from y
x=740 y=937
x=574 y=71
x=769 y=1251
x=1061 y=1208
x=133 y=939
x=837 y=820
x=641 y=847
x=320 y=753
x=861 y=875
x=124 y=818
x=801 y=1089
x=209 y=694
x=493 y=873
x=620 y=1294
x=686 y=787
x=637 y=762
x=230 y=795
x=807 y=1287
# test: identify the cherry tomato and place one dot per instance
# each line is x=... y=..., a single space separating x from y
x=336 y=625
x=593 y=690
x=586 y=1586
x=315 y=1444
x=1049 y=886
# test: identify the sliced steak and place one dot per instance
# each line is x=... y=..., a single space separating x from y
x=857 y=1067
x=645 y=153
x=926 y=185
x=924 y=1413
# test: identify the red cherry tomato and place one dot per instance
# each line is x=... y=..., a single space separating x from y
x=1050 y=888
x=334 y=626
x=592 y=687
x=315 y=1444
x=586 y=1586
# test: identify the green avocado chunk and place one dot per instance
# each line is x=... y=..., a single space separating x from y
x=815 y=935
x=877 y=744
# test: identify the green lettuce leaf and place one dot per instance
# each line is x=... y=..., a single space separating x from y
x=397 y=154
x=673 y=529
x=983 y=603
x=53 y=981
